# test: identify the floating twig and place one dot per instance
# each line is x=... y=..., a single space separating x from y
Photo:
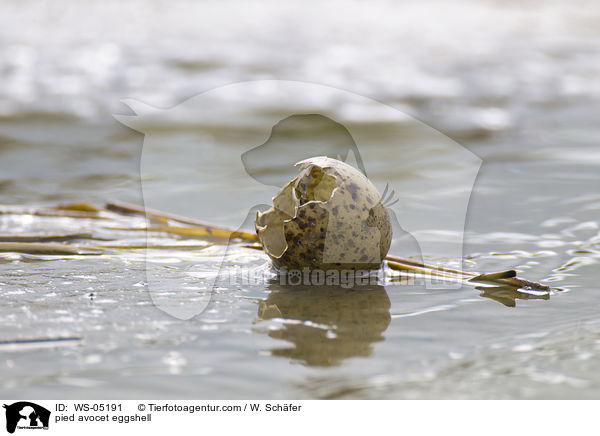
x=506 y=278
x=48 y=238
x=49 y=248
x=196 y=229
x=49 y=212
x=47 y=244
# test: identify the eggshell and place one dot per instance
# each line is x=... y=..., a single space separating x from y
x=330 y=217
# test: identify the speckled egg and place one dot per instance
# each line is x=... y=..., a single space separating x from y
x=330 y=217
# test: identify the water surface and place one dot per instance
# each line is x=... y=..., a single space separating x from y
x=515 y=83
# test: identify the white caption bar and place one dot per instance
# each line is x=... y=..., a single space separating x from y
x=174 y=417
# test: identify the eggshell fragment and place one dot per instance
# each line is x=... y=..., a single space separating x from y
x=329 y=217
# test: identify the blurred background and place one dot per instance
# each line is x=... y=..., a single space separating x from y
x=483 y=73
x=515 y=82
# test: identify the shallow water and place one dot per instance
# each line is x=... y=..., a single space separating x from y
x=516 y=85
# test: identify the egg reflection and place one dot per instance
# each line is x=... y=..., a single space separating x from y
x=326 y=324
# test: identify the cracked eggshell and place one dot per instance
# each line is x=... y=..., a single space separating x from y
x=329 y=217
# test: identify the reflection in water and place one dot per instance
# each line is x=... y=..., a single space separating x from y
x=504 y=294
x=326 y=324
x=508 y=295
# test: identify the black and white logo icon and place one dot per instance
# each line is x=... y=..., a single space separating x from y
x=26 y=415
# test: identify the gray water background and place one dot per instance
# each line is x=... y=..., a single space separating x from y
x=516 y=83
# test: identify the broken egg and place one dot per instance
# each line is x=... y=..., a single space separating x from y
x=330 y=217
